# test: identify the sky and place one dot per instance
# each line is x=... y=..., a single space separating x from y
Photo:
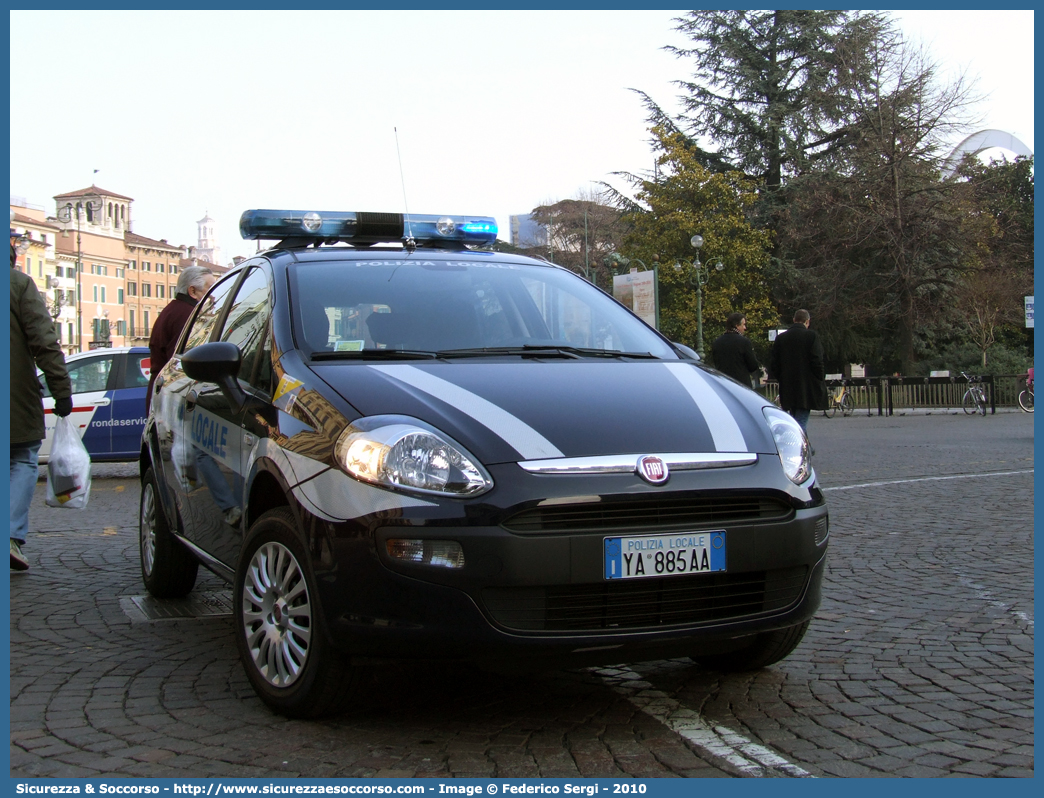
x=492 y=113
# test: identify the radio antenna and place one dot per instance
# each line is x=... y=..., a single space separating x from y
x=410 y=243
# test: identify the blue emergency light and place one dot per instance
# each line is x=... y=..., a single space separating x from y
x=367 y=228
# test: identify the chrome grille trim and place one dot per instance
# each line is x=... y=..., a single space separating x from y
x=627 y=463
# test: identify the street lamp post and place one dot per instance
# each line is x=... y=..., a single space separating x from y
x=65 y=213
x=58 y=301
x=699 y=279
x=616 y=259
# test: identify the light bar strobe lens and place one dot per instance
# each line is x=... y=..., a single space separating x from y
x=440 y=553
x=367 y=228
x=279 y=224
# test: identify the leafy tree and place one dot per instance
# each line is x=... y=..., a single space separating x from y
x=771 y=90
x=990 y=297
x=687 y=199
x=878 y=237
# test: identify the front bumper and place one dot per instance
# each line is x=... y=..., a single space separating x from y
x=533 y=584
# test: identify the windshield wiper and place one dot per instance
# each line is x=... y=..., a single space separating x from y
x=534 y=350
x=377 y=354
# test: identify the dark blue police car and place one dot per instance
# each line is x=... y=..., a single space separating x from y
x=433 y=450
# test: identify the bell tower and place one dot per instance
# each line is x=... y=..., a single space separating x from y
x=207 y=247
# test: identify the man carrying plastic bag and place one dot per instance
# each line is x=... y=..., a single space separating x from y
x=34 y=343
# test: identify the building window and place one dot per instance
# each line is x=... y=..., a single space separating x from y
x=95 y=293
x=132 y=289
x=146 y=289
x=72 y=332
x=131 y=317
x=159 y=291
x=119 y=272
x=159 y=267
x=119 y=296
x=133 y=264
x=103 y=294
x=173 y=269
x=145 y=266
x=146 y=321
x=58 y=331
x=121 y=327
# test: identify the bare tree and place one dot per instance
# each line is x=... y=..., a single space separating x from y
x=581 y=231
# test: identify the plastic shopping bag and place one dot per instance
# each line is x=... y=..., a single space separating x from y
x=68 y=468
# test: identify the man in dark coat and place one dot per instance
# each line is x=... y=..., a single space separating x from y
x=796 y=363
x=34 y=344
x=733 y=353
x=193 y=283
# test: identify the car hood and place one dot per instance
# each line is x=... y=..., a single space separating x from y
x=528 y=410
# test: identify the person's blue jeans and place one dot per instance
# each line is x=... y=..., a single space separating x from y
x=24 y=472
x=801 y=416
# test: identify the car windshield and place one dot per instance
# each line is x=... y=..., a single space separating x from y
x=404 y=307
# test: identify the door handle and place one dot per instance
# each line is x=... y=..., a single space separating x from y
x=100 y=402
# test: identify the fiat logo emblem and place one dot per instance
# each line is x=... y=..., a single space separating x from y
x=652 y=469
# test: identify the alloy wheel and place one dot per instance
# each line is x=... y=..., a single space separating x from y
x=277 y=614
x=147 y=527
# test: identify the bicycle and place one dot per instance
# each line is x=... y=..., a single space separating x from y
x=841 y=397
x=1026 y=397
x=975 y=397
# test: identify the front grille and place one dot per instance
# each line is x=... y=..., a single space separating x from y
x=822 y=530
x=649 y=514
x=653 y=603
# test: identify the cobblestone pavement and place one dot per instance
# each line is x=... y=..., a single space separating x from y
x=920 y=662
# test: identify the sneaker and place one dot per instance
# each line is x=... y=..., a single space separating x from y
x=232 y=516
x=18 y=560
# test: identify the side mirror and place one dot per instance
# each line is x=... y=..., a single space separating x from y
x=217 y=362
x=686 y=352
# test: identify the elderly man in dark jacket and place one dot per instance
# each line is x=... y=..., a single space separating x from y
x=193 y=283
x=796 y=363
x=733 y=353
x=34 y=343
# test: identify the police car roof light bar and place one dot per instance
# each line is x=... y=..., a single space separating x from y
x=366 y=228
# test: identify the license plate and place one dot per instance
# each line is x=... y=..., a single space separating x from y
x=665 y=555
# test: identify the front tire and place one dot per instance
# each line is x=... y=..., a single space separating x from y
x=971 y=406
x=831 y=408
x=1026 y=401
x=168 y=569
x=765 y=649
x=847 y=405
x=280 y=629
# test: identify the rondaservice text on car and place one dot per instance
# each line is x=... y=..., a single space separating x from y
x=396 y=443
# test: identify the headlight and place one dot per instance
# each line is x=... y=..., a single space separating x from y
x=398 y=454
x=791 y=444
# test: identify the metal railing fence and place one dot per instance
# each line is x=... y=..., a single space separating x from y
x=888 y=395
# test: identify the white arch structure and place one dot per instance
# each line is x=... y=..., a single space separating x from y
x=984 y=140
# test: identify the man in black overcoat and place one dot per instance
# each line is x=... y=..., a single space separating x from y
x=796 y=363
x=733 y=353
